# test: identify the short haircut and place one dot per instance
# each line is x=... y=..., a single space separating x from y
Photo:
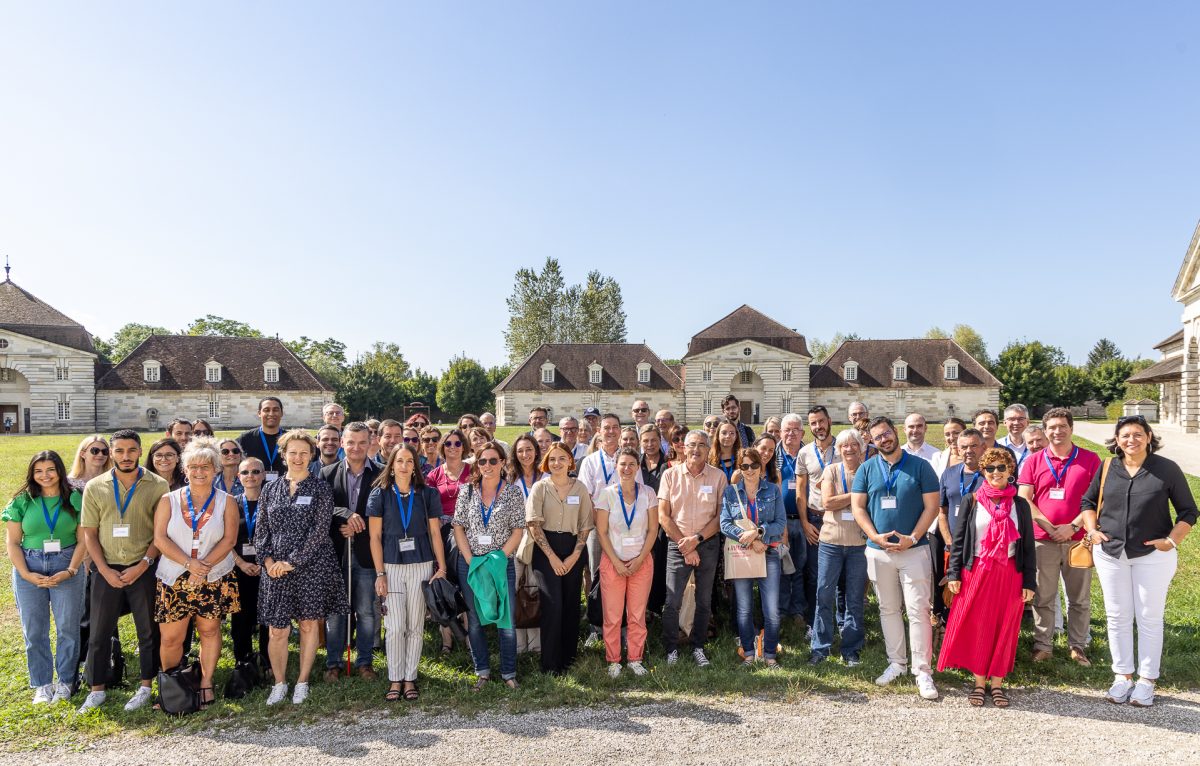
x=275 y=399
x=563 y=421
x=627 y=452
x=297 y=435
x=126 y=433
x=730 y=398
x=880 y=420
x=1058 y=412
x=389 y=423
x=791 y=417
x=610 y=416
x=202 y=450
x=178 y=422
x=859 y=404
x=373 y=424
x=540 y=409
x=971 y=433
x=984 y=411
x=952 y=421
x=357 y=427
x=699 y=432
x=749 y=454
x=466 y=444
x=1034 y=428
x=993 y=455
x=816 y=409
x=545 y=465
x=332 y=404
x=324 y=428
x=1016 y=407
x=850 y=435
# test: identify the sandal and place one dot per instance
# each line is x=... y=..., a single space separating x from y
x=976 y=697
x=411 y=694
x=999 y=698
x=447 y=648
x=207 y=697
x=480 y=683
x=512 y=683
x=393 y=694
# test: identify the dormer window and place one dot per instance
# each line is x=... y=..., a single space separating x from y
x=151 y=371
x=643 y=370
x=899 y=370
x=950 y=369
x=595 y=373
x=270 y=372
x=212 y=371
x=850 y=371
x=548 y=373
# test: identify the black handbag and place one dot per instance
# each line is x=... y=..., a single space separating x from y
x=242 y=680
x=179 y=690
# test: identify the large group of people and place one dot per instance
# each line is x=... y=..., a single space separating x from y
x=340 y=536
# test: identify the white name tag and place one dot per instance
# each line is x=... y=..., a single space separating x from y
x=248 y=551
x=195 y=545
x=306 y=500
x=887 y=503
x=484 y=539
x=1058 y=493
x=792 y=484
x=847 y=516
x=271 y=476
x=52 y=546
x=631 y=543
x=409 y=544
x=706 y=489
x=120 y=530
x=573 y=500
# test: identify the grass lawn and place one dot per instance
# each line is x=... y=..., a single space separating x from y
x=445 y=682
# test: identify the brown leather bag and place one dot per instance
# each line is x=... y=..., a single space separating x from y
x=1080 y=555
x=529 y=602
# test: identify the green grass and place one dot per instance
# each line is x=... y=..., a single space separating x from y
x=445 y=682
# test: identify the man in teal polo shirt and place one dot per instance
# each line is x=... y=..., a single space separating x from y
x=895 y=501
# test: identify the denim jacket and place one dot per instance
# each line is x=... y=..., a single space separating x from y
x=769 y=504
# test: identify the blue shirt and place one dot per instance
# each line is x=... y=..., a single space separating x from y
x=787 y=477
x=952 y=492
x=913 y=478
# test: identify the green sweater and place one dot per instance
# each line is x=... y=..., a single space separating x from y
x=488 y=579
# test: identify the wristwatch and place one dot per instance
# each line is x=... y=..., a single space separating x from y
x=913 y=538
x=149 y=561
x=380 y=574
x=699 y=537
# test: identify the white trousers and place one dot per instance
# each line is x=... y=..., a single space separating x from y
x=404 y=622
x=903 y=582
x=1135 y=590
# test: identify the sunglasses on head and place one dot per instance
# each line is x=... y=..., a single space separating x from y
x=414 y=440
x=231 y=451
x=250 y=472
x=487 y=461
x=994 y=468
x=99 y=451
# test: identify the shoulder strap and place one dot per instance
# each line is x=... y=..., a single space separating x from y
x=1103 y=478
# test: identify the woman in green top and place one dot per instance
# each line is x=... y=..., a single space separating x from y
x=41 y=521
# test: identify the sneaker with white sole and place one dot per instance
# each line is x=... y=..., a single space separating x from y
x=94 y=700
x=638 y=669
x=299 y=694
x=1142 y=694
x=1119 y=692
x=62 y=693
x=925 y=686
x=43 y=694
x=614 y=669
x=278 y=692
x=699 y=657
x=893 y=672
x=672 y=656
x=140 y=699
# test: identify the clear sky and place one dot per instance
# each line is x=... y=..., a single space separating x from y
x=378 y=171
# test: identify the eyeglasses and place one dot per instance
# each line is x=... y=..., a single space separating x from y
x=250 y=472
x=750 y=466
x=641 y=409
x=202 y=433
x=994 y=468
x=414 y=440
x=428 y=440
x=99 y=451
x=454 y=444
x=569 y=429
x=487 y=461
x=230 y=451
x=165 y=455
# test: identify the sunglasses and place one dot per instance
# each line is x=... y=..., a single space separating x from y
x=487 y=461
x=994 y=468
x=414 y=440
x=428 y=440
x=750 y=466
x=202 y=433
x=230 y=451
x=455 y=444
x=641 y=409
x=99 y=451
x=250 y=472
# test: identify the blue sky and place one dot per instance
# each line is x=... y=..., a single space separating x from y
x=378 y=171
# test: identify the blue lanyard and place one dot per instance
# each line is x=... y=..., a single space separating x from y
x=406 y=513
x=789 y=463
x=487 y=512
x=122 y=507
x=845 y=489
x=820 y=458
x=52 y=523
x=250 y=520
x=632 y=511
x=220 y=482
x=963 y=489
x=192 y=509
x=1058 y=480
x=889 y=481
x=271 y=455
x=727 y=468
x=604 y=467
x=524 y=486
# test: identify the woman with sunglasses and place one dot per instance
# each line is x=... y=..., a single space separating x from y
x=489 y=519
x=992 y=572
x=675 y=441
x=244 y=624
x=431 y=439
x=231 y=459
x=448 y=478
x=201 y=427
x=1135 y=547
x=91 y=459
x=163 y=459
x=758 y=506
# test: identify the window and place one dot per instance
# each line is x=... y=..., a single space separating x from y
x=951 y=369
x=850 y=371
x=64 y=407
x=594 y=376
x=708 y=406
x=706 y=373
x=214 y=409
x=746 y=351
x=643 y=372
x=747 y=378
x=3 y=343
x=548 y=373
x=62 y=372
x=5 y=375
x=787 y=372
x=899 y=370
x=151 y=371
x=271 y=372
x=212 y=372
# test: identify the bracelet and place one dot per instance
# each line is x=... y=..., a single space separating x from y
x=380 y=574
x=1172 y=542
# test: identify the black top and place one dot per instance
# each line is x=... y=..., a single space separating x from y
x=746 y=433
x=1135 y=510
x=426 y=505
x=962 y=552
x=651 y=478
x=251 y=508
x=335 y=476
x=252 y=446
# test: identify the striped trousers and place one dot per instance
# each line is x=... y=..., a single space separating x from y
x=404 y=622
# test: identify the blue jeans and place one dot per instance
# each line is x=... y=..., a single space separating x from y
x=362 y=601
x=768 y=592
x=475 y=635
x=791 y=587
x=35 y=606
x=834 y=561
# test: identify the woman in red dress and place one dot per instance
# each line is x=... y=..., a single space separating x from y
x=992 y=572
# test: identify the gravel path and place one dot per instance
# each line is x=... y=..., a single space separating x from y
x=1042 y=727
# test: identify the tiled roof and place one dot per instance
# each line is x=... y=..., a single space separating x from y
x=923 y=355
x=1160 y=372
x=746 y=323
x=22 y=312
x=571 y=360
x=1175 y=338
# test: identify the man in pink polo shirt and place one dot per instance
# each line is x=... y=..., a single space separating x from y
x=1053 y=481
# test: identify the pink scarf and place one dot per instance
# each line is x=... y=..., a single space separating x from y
x=1001 y=530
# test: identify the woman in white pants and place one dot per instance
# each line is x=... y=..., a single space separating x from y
x=404 y=517
x=1128 y=519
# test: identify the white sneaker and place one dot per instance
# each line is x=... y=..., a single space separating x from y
x=43 y=694
x=94 y=699
x=638 y=668
x=1143 y=694
x=698 y=656
x=140 y=699
x=62 y=693
x=926 y=687
x=278 y=692
x=672 y=656
x=299 y=694
x=1119 y=692
x=893 y=672
x=614 y=669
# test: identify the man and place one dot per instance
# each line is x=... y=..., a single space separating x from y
x=180 y=429
x=391 y=435
x=895 y=501
x=1054 y=484
x=956 y=481
x=733 y=410
x=329 y=444
x=814 y=457
x=569 y=428
x=987 y=423
x=914 y=430
x=689 y=504
x=664 y=420
x=792 y=600
x=489 y=422
x=857 y=411
x=117 y=526
x=351 y=480
x=373 y=445
x=1035 y=439
x=262 y=442
x=592 y=416
x=640 y=411
x=539 y=418
x=333 y=414
x=1016 y=420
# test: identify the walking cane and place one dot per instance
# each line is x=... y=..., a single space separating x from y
x=346 y=513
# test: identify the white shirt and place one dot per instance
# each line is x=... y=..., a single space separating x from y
x=627 y=540
x=598 y=471
x=940 y=461
x=580 y=452
x=927 y=451
x=1019 y=449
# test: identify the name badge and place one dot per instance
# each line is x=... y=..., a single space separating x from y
x=195 y=545
x=52 y=546
x=408 y=544
x=248 y=550
x=305 y=500
x=631 y=544
x=887 y=503
x=271 y=476
x=792 y=484
x=1058 y=493
x=484 y=539
x=706 y=489
x=847 y=516
x=573 y=500
x=120 y=530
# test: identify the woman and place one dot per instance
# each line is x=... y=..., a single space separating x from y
x=724 y=453
x=91 y=459
x=711 y=423
x=231 y=460
x=47 y=578
x=243 y=624
x=587 y=432
x=558 y=519
x=195 y=530
x=675 y=455
x=523 y=469
x=752 y=515
x=404 y=518
x=626 y=565
x=418 y=420
x=1135 y=548
x=653 y=461
x=468 y=422
x=448 y=478
x=841 y=558
x=477 y=437
x=862 y=425
x=629 y=439
x=767 y=447
x=303 y=582
x=431 y=439
x=949 y=456
x=489 y=519
x=201 y=427
x=773 y=427
x=163 y=459
x=992 y=573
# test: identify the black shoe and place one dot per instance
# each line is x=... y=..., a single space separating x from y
x=816 y=659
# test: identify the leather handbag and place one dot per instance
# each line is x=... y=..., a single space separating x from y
x=528 y=613
x=1080 y=554
x=179 y=690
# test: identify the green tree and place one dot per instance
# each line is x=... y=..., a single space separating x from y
x=367 y=393
x=1026 y=373
x=386 y=359
x=1142 y=390
x=937 y=333
x=971 y=342
x=326 y=357
x=1109 y=379
x=497 y=374
x=821 y=350
x=210 y=324
x=601 y=316
x=129 y=337
x=1073 y=385
x=533 y=309
x=1104 y=350
x=103 y=348
x=420 y=387
x=464 y=388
